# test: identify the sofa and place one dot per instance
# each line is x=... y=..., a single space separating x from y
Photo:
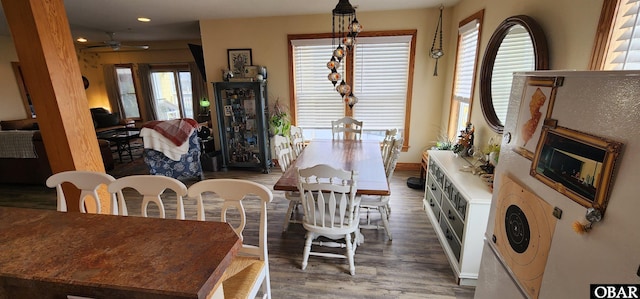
x=105 y=121
x=26 y=163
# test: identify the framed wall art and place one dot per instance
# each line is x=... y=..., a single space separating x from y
x=237 y=59
x=536 y=105
x=576 y=164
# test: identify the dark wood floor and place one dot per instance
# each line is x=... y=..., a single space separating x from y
x=413 y=265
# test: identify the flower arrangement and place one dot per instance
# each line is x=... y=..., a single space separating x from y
x=465 y=141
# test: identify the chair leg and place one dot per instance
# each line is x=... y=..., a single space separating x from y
x=266 y=286
x=307 y=250
x=287 y=217
x=350 y=253
x=384 y=215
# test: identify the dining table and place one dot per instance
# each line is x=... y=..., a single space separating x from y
x=363 y=156
x=50 y=254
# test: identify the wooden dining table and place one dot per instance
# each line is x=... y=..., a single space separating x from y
x=363 y=156
x=50 y=254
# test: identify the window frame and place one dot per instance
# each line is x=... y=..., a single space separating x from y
x=454 y=106
x=349 y=70
x=604 y=33
x=176 y=70
x=135 y=90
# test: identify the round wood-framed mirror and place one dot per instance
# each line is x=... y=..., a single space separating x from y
x=518 y=44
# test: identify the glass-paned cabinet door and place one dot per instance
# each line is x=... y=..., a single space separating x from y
x=244 y=138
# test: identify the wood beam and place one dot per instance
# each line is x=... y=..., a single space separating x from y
x=43 y=41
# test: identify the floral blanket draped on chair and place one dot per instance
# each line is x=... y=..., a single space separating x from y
x=172 y=148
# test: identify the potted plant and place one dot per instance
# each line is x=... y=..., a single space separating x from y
x=279 y=122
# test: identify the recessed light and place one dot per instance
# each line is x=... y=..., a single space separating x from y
x=143 y=19
x=81 y=40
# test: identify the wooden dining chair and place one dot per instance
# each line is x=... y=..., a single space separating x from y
x=285 y=160
x=249 y=271
x=381 y=202
x=387 y=144
x=297 y=140
x=151 y=187
x=346 y=128
x=88 y=183
x=331 y=210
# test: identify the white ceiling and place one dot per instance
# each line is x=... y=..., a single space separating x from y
x=178 y=20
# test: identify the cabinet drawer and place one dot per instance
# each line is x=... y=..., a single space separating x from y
x=458 y=202
x=451 y=238
x=434 y=188
x=434 y=205
x=449 y=212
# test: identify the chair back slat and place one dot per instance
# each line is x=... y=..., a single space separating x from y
x=346 y=128
x=151 y=187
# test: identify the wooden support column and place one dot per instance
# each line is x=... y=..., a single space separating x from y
x=43 y=41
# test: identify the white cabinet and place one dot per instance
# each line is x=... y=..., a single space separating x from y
x=457 y=204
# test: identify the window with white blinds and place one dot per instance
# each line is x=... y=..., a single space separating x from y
x=381 y=67
x=624 y=47
x=514 y=55
x=317 y=102
x=464 y=76
x=380 y=72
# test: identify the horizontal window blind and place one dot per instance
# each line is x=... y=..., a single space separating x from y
x=466 y=62
x=624 y=48
x=381 y=68
x=317 y=101
x=465 y=71
x=514 y=55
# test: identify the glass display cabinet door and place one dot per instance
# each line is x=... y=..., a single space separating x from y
x=241 y=120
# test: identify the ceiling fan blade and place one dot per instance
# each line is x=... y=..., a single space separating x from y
x=144 y=47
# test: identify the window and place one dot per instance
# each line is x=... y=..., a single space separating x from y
x=618 y=45
x=127 y=90
x=172 y=94
x=380 y=70
x=466 y=60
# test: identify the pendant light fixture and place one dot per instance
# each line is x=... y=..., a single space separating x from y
x=436 y=53
x=344 y=30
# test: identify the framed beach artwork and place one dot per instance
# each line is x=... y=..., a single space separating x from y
x=536 y=107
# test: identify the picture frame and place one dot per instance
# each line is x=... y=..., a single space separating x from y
x=577 y=165
x=536 y=106
x=237 y=59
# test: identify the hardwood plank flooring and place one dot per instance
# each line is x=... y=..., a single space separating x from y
x=413 y=265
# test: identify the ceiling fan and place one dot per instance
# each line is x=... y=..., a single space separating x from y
x=116 y=45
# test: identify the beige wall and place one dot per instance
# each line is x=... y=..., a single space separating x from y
x=570 y=34
x=11 y=106
x=267 y=37
x=91 y=64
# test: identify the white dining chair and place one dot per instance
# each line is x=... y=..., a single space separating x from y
x=346 y=128
x=297 y=140
x=285 y=160
x=249 y=271
x=387 y=144
x=88 y=183
x=151 y=187
x=331 y=210
x=380 y=203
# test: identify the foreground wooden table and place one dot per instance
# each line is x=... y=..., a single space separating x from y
x=49 y=254
x=361 y=156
